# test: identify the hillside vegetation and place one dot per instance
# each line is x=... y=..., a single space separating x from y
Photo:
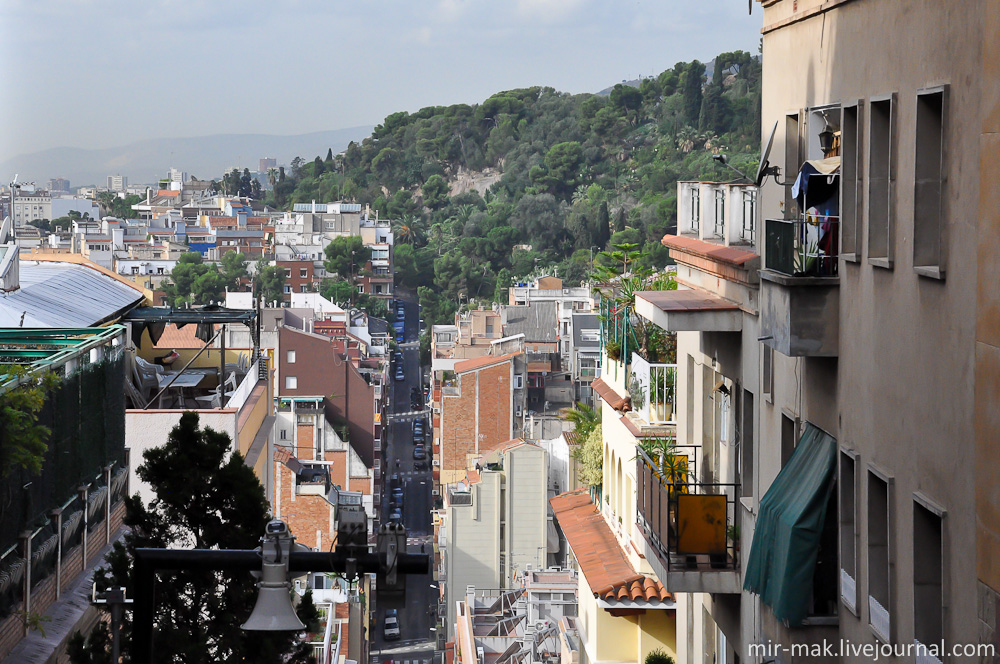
x=579 y=173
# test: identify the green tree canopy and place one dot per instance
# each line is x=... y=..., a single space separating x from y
x=346 y=255
x=205 y=497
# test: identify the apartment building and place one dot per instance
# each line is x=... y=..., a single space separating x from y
x=31 y=205
x=533 y=622
x=808 y=345
x=496 y=523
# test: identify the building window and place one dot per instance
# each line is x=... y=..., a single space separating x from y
x=793 y=160
x=720 y=213
x=290 y=357
x=850 y=180
x=767 y=372
x=291 y=383
x=749 y=231
x=361 y=289
x=879 y=582
x=746 y=445
x=288 y=289
x=789 y=438
x=695 y=208
x=135 y=270
x=928 y=575
x=303 y=273
x=288 y=273
x=283 y=434
x=848 y=532
x=880 y=179
x=518 y=381
x=928 y=201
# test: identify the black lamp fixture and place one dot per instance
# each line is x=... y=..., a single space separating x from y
x=826 y=137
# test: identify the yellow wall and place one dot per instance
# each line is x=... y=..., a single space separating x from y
x=607 y=638
x=251 y=427
x=658 y=629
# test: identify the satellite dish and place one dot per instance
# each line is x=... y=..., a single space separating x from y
x=762 y=169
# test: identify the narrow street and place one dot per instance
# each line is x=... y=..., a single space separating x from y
x=415 y=643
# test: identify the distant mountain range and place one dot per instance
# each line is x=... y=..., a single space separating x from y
x=205 y=157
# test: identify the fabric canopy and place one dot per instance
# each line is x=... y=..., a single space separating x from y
x=787 y=535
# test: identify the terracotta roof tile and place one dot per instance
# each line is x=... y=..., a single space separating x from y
x=607 y=570
x=609 y=394
x=481 y=362
x=184 y=337
x=715 y=252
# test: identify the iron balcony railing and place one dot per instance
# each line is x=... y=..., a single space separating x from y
x=806 y=247
x=653 y=390
x=690 y=524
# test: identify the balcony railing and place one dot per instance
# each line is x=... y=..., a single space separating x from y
x=652 y=387
x=806 y=247
x=688 y=523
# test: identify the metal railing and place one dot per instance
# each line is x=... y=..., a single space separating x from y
x=806 y=247
x=688 y=523
x=653 y=390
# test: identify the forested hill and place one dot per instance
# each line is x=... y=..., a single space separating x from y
x=576 y=173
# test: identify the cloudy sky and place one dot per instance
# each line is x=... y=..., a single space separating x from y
x=101 y=73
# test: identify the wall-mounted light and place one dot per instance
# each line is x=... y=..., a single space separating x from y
x=826 y=136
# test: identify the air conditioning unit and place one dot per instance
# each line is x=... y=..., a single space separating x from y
x=436 y=463
x=435 y=492
x=517 y=411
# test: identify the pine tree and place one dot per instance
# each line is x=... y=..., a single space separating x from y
x=205 y=498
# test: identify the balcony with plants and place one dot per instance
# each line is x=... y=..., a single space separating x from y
x=690 y=526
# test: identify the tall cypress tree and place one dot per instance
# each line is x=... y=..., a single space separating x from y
x=692 y=92
x=603 y=226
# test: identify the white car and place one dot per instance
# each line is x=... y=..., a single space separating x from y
x=391 y=625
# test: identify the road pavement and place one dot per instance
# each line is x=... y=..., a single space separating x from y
x=417 y=609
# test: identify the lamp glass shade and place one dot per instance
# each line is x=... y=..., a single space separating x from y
x=826 y=140
x=273 y=611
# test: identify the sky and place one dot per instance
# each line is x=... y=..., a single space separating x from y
x=104 y=73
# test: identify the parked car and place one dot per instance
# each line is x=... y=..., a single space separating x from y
x=390 y=628
x=419 y=429
x=419 y=453
x=397 y=357
x=400 y=337
x=416 y=398
x=397 y=496
x=400 y=310
x=399 y=372
x=394 y=481
x=396 y=514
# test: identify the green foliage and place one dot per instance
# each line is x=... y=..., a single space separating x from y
x=573 y=169
x=346 y=255
x=269 y=282
x=338 y=291
x=234 y=268
x=583 y=418
x=590 y=454
x=205 y=497
x=23 y=441
x=658 y=656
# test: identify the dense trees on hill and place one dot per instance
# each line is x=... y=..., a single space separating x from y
x=577 y=173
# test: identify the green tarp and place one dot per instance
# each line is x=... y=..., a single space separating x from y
x=786 y=538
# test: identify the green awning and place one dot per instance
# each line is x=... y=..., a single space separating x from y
x=786 y=538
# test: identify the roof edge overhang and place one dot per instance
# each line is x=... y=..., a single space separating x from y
x=689 y=311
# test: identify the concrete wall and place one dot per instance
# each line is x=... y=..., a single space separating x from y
x=526 y=472
x=474 y=543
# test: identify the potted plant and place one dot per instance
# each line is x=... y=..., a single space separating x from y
x=614 y=350
x=733 y=535
x=660 y=395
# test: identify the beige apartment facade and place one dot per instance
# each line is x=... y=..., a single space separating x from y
x=852 y=341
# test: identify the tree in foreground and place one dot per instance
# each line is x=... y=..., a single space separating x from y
x=206 y=497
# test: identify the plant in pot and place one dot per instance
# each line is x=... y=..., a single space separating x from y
x=614 y=350
x=733 y=535
x=661 y=394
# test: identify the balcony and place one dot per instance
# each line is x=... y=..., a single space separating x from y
x=652 y=388
x=800 y=293
x=688 y=525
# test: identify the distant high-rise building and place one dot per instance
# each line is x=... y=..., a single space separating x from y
x=266 y=163
x=175 y=175
x=59 y=184
x=117 y=182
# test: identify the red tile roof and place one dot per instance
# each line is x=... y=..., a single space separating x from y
x=607 y=570
x=715 y=252
x=608 y=393
x=184 y=337
x=483 y=362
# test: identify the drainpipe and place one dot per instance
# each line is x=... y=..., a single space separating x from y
x=83 y=490
x=56 y=515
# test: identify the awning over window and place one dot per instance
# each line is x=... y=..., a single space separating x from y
x=786 y=539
